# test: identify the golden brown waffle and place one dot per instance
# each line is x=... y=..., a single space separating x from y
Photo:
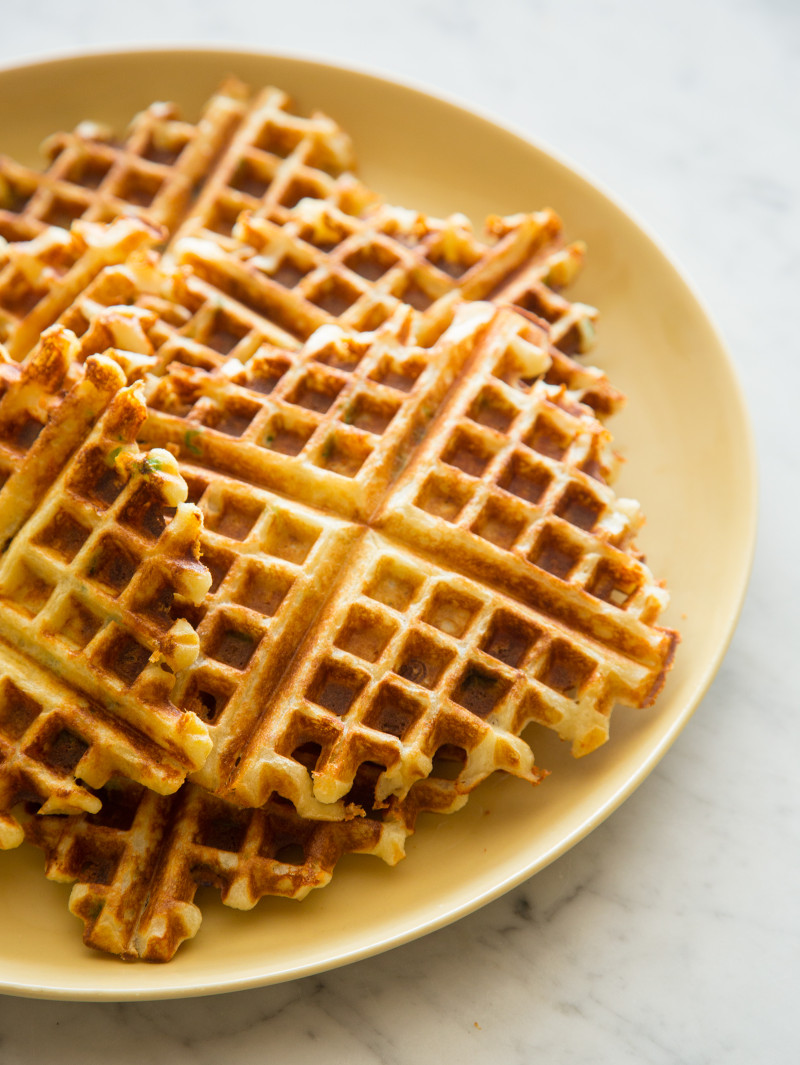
x=243 y=420
x=147 y=306
x=151 y=173
x=322 y=245
x=329 y=425
x=407 y=659
x=101 y=549
x=326 y=264
x=284 y=199
x=517 y=353
x=414 y=548
x=272 y=563
x=40 y=278
x=276 y=158
x=137 y=863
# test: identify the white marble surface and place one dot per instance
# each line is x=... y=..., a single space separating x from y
x=670 y=935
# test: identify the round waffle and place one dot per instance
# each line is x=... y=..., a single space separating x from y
x=400 y=480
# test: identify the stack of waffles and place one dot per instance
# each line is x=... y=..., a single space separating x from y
x=306 y=514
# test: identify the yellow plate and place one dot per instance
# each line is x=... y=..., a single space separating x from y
x=685 y=434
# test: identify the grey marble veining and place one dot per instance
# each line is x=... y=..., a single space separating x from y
x=670 y=935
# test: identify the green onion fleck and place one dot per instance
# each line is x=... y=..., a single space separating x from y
x=189 y=438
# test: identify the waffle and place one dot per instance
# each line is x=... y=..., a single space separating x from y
x=136 y=865
x=245 y=420
x=276 y=158
x=151 y=173
x=322 y=245
x=329 y=425
x=100 y=549
x=404 y=480
x=137 y=862
x=225 y=420
x=284 y=199
x=272 y=562
x=327 y=264
x=41 y=277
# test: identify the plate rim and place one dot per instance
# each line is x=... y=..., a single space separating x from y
x=748 y=535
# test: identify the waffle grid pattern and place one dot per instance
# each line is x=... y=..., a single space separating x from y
x=271 y=563
x=103 y=551
x=328 y=425
x=246 y=854
x=40 y=278
x=151 y=173
x=328 y=265
x=302 y=337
